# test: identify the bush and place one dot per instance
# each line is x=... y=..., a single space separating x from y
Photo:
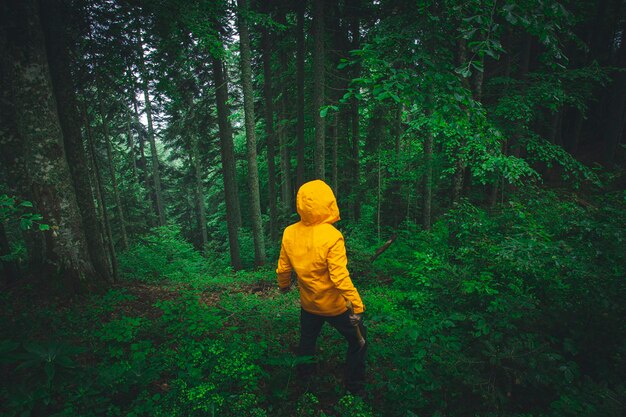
x=508 y=313
x=163 y=254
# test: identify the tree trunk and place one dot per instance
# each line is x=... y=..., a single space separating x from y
x=131 y=148
x=269 y=132
x=51 y=181
x=199 y=191
x=459 y=163
x=14 y=151
x=479 y=76
x=354 y=110
x=318 y=89
x=285 y=160
x=283 y=142
x=69 y=118
x=337 y=51
x=144 y=163
x=248 y=105
x=116 y=192
x=105 y=229
x=300 y=172
x=156 y=176
x=228 y=162
x=616 y=115
x=397 y=128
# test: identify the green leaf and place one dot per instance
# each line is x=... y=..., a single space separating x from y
x=25 y=224
x=464 y=71
x=43 y=227
x=478 y=65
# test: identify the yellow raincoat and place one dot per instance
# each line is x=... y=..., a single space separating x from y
x=315 y=250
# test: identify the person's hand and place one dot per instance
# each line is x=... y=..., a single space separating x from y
x=355 y=319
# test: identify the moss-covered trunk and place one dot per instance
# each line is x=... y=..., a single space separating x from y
x=38 y=125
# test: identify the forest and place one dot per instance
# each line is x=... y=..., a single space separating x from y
x=150 y=157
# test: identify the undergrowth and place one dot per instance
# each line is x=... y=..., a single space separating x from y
x=514 y=312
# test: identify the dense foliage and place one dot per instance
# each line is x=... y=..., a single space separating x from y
x=150 y=156
x=514 y=312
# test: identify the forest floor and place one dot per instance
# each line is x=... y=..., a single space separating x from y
x=514 y=312
x=244 y=313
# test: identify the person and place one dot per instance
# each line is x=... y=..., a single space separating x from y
x=315 y=250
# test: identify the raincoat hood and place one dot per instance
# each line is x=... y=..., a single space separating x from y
x=316 y=203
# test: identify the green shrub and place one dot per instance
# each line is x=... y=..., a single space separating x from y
x=518 y=313
x=163 y=254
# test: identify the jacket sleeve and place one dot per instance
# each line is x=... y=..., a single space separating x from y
x=337 y=267
x=283 y=271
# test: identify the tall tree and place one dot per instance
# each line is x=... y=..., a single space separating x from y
x=286 y=191
x=228 y=157
x=270 y=138
x=141 y=138
x=50 y=178
x=300 y=169
x=103 y=214
x=355 y=31
x=199 y=191
x=318 y=89
x=57 y=43
x=248 y=105
x=156 y=175
x=111 y=164
x=616 y=114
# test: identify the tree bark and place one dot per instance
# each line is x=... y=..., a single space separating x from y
x=300 y=171
x=156 y=175
x=14 y=151
x=51 y=181
x=459 y=163
x=116 y=191
x=283 y=143
x=152 y=221
x=318 y=89
x=105 y=229
x=131 y=148
x=354 y=111
x=69 y=118
x=269 y=131
x=285 y=161
x=616 y=117
x=199 y=191
x=248 y=105
x=228 y=162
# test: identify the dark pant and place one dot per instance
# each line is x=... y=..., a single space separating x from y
x=310 y=327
